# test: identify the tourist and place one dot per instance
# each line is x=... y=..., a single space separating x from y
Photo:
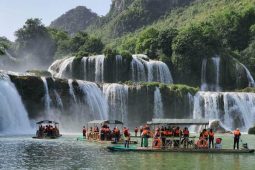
x=156 y=141
x=237 y=135
x=116 y=134
x=205 y=134
x=177 y=133
x=145 y=136
x=84 y=132
x=136 y=130
x=141 y=130
x=185 y=139
x=211 y=138
x=163 y=136
x=126 y=137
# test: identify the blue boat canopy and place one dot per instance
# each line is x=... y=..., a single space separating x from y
x=179 y=122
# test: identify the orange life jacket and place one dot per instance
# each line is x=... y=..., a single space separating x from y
x=145 y=132
x=136 y=129
x=186 y=132
x=237 y=133
x=211 y=134
x=177 y=132
x=205 y=135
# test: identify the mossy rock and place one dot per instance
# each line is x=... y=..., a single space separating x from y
x=251 y=130
x=43 y=73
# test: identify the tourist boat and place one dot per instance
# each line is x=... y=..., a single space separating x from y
x=47 y=129
x=95 y=134
x=191 y=147
x=191 y=150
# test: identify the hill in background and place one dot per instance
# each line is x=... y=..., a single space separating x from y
x=75 y=20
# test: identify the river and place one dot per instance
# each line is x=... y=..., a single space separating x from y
x=23 y=152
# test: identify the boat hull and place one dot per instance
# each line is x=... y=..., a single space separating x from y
x=140 y=149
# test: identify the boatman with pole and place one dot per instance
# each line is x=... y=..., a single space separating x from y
x=237 y=135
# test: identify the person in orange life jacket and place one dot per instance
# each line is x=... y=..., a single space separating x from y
x=136 y=130
x=177 y=133
x=156 y=141
x=211 y=138
x=141 y=130
x=185 y=135
x=163 y=136
x=116 y=134
x=84 y=132
x=237 y=135
x=205 y=134
x=145 y=136
x=126 y=137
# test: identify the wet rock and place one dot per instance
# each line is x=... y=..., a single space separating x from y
x=251 y=130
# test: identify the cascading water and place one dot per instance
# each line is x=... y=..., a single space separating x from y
x=58 y=99
x=249 y=76
x=47 y=99
x=156 y=70
x=71 y=91
x=62 y=67
x=99 y=68
x=158 y=105
x=231 y=108
x=13 y=115
x=93 y=97
x=216 y=65
x=117 y=97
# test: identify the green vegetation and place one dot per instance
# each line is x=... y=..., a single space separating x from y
x=4 y=44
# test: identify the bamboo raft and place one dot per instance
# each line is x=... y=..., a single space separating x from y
x=188 y=150
x=104 y=141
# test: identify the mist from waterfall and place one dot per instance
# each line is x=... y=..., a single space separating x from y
x=231 y=108
x=71 y=90
x=13 y=115
x=117 y=97
x=158 y=105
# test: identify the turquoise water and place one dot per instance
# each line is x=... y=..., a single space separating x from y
x=23 y=152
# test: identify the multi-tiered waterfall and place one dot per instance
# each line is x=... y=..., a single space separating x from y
x=231 y=108
x=99 y=68
x=13 y=115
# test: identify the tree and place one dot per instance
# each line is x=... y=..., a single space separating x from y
x=34 y=42
x=92 y=46
x=4 y=44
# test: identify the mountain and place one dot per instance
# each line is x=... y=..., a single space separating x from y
x=75 y=20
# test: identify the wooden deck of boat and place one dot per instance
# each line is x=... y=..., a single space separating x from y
x=104 y=141
x=142 y=149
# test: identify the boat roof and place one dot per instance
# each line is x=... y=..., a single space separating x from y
x=179 y=121
x=105 y=122
x=47 y=121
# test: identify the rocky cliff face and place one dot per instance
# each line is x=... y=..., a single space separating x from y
x=75 y=20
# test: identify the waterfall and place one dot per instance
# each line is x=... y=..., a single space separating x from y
x=47 y=100
x=71 y=91
x=61 y=66
x=214 y=86
x=191 y=104
x=58 y=99
x=231 y=108
x=156 y=70
x=216 y=62
x=13 y=115
x=99 y=68
x=117 y=97
x=118 y=60
x=249 y=76
x=94 y=98
x=158 y=105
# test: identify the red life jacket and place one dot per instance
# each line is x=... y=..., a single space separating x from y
x=186 y=132
x=136 y=129
x=211 y=134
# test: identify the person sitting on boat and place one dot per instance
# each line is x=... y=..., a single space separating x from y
x=84 y=132
x=126 y=137
x=185 y=139
x=156 y=142
x=211 y=138
x=136 y=130
x=202 y=143
x=205 y=134
x=237 y=135
x=218 y=144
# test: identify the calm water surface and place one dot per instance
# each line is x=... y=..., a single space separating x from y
x=23 y=152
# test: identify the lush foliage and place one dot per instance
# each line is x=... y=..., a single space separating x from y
x=4 y=44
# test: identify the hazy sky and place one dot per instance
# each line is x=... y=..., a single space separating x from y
x=14 y=13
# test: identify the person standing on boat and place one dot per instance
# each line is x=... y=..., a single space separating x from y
x=84 y=132
x=237 y=135
x=141 y=130
x=145 y=136
x=136 y=130
x=211 y=138
x=126 y=137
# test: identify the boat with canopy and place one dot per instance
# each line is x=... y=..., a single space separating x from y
x=180 y=147
x=47 y=129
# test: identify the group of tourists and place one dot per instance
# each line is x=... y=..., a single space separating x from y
x=47 y=131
